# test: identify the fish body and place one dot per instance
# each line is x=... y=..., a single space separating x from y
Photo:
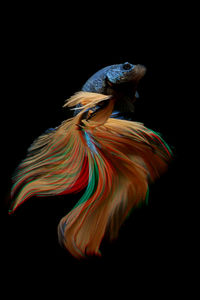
x=112 y=160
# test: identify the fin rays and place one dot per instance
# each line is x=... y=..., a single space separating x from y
x=114 y=159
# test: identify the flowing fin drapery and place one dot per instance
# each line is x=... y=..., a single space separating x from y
x=113 y=159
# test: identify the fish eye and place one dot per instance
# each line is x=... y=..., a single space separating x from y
x=127 y=66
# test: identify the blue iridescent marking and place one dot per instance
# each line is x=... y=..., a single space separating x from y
x=50 y=130
x=90 y=142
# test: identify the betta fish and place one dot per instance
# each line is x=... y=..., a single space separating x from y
x=99 y=151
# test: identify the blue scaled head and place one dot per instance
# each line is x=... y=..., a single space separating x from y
x=119 y=80
x=121 y=73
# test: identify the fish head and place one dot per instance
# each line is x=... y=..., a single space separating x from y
x=120 y=80
x=125 y=73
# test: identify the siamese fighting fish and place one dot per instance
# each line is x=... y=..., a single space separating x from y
x=100 y=151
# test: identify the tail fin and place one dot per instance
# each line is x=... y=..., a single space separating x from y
x=113 y=158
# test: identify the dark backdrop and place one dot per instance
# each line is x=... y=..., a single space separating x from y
x=46 y=61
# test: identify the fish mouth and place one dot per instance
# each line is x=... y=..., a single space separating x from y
x=137 y=74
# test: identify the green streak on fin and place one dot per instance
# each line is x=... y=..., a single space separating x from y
x=92 y=183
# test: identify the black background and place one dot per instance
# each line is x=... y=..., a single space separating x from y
x=48 y=56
